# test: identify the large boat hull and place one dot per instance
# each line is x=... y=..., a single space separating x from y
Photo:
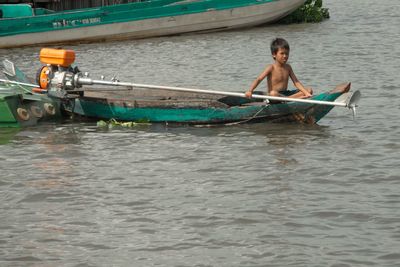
x=98 y=26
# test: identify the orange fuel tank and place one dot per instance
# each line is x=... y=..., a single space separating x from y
x=59 y=57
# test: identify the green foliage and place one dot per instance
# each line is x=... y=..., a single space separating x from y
x=114 y=123
x=312 y=11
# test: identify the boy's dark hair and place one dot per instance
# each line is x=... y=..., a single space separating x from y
x=279 y=43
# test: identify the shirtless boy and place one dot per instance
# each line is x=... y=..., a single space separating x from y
x=278 y=74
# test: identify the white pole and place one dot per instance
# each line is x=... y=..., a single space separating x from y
x=88 y=81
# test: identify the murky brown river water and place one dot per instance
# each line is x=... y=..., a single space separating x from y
x=246 y=195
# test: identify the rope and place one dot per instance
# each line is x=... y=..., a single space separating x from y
x=249 y=119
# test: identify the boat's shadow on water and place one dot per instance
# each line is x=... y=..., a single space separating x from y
x=272 y=131
x=44 y=133
x=277 y=134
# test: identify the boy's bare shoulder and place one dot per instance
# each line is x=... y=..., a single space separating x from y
x=269 y=67
x=288 y=67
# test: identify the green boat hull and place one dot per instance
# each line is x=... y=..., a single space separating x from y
x=19 y=109
x=7 y=117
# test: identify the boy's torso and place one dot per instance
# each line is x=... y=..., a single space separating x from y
x=279 y=78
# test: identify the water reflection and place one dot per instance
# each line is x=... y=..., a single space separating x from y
x=8 y=134
x=283 y=142
x=49 y=153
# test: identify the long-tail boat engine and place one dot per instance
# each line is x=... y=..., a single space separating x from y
x=57 y=76
x=59 y=79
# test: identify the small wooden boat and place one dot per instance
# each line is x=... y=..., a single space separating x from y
x=198 y=108
x=21 y=25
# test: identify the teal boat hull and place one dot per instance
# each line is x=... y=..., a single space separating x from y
x=138 y=20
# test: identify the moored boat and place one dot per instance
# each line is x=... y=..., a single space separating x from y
x=20 y=108
x=135 y=20
x=19 y=105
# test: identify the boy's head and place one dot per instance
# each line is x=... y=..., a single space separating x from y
x=279 y=43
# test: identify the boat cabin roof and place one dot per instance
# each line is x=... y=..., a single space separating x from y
x=16 y=10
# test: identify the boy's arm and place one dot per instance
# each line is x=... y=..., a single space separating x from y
x=257 y=81
x=297 y=83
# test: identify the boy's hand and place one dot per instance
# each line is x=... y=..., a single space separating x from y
x=309 y=92
x=308 y=95
x=248 y=94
